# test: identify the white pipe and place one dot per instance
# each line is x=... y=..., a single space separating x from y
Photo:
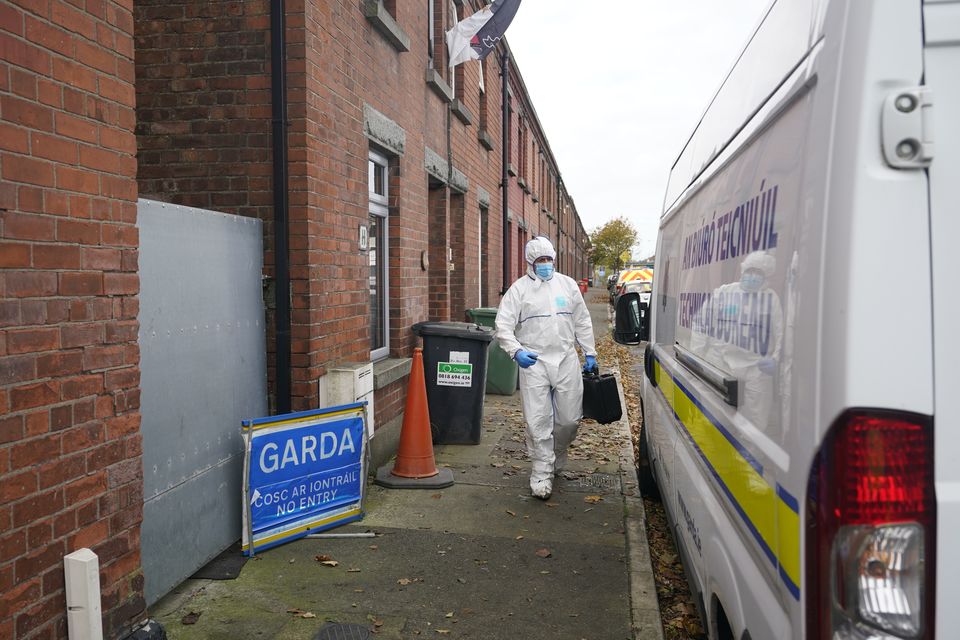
x=82 y=583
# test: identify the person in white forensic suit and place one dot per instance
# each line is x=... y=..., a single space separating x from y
x=541 y=320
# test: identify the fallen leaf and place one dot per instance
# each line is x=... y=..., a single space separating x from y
x=296 y=611
x=519 y=538
x=404 y=581
x=550 y=504
x=593 y=499
x=353 y=570
x=544 y=553
x=191 y=618
x=442 y=631
x=449 y=615
x=322 y=558
x=330 y=563
x=307 y=614
x=437 y=496
x=373 y=547
x=511 y=513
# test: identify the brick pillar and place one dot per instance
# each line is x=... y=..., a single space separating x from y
x=438 y=205
x=462 y=270
x=70 y=444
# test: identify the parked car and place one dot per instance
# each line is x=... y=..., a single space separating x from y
x=639 y=274
x=642 y=287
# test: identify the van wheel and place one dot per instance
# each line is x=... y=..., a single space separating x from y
x=645 y=478
x=724 y=632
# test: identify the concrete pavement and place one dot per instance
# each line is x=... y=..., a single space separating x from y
x=480 y=559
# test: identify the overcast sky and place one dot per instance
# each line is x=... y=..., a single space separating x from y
x=619 y=85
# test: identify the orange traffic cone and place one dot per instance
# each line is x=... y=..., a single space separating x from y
x=415 y=467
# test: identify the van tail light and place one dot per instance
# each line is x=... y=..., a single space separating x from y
x=871 y=530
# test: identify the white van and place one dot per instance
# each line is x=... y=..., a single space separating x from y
x=801 y=394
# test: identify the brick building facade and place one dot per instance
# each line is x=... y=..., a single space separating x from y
x=383 y=141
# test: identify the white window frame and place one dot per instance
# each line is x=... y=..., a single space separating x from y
x=378 y=207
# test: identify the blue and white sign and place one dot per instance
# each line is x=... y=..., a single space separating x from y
x=303 y=472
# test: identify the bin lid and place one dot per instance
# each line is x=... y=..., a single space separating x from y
x=466 y=330
x=483 y=312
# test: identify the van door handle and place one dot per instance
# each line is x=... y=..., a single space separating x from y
x=724 y=383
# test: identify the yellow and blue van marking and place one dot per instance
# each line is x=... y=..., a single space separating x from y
x=771 y=514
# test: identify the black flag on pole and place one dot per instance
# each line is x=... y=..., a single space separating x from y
x=476 y=36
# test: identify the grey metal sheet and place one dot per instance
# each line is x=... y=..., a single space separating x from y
x=203 y=370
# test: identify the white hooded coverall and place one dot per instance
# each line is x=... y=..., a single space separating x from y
x=549 y=318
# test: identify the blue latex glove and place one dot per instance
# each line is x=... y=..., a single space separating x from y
x=525 y=358
x=591 y=365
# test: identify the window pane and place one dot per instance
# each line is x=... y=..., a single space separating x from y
x=377 y=283
x=378 y=180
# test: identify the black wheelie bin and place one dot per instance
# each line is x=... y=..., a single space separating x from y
x=455 y=368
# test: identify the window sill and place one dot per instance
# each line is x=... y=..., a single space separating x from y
x=463 y=114
x=523 y=184
x=389 y=370
x=535 y=198
x=511 y=169
x=440 y=87
x=485 y=139
x=383 y=22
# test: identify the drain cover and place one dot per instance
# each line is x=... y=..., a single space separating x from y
x=343 y=632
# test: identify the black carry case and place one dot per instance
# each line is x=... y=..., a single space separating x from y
x=601 y=400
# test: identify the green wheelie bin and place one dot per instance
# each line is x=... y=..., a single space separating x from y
x=502 y=370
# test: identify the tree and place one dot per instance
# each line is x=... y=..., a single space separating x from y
x=611 y=241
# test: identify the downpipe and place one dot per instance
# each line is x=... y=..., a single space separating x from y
x=281 y=202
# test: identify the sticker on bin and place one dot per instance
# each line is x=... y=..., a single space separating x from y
x=454 y=374
x=460 y=357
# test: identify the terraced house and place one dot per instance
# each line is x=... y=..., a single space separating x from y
x=212 y=211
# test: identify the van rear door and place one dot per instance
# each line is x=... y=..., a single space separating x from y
x=941 y=77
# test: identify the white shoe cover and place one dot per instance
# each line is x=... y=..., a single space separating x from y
x=541 y=489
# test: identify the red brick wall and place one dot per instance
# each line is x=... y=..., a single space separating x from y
x=70 y=468
x=203 y=105
x=204 y=110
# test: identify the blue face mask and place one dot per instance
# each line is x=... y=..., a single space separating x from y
x=751 y=281
x=544 y=270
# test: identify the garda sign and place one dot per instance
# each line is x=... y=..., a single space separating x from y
x=303 y=472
